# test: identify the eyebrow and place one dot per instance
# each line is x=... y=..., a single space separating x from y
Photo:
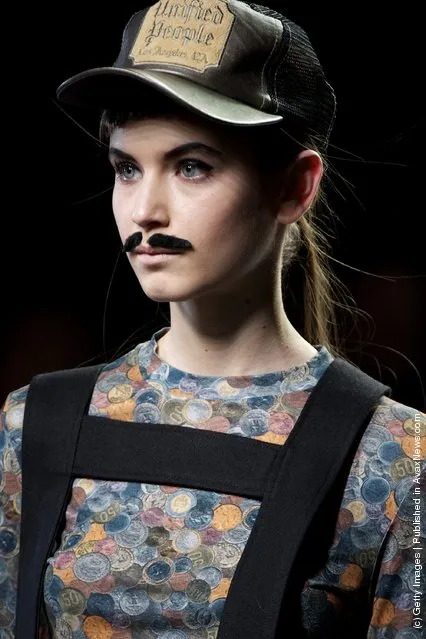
x=173 y=153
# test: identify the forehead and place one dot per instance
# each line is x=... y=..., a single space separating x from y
x=176 y=126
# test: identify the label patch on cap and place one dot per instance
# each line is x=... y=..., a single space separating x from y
x=189 y=33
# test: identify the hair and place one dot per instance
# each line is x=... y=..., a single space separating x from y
x=305 y=242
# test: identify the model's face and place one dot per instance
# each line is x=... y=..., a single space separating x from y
x=211 y=199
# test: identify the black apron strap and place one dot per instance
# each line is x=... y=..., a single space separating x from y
x=54 y=409
x=330 y=424
x=323 y=441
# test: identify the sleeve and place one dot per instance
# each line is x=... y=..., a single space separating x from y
x=399 y=608
x=11 y=419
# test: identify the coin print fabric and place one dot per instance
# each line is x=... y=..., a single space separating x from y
x=144 y=560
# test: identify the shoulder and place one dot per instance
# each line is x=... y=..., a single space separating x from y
x=12 y=419
x=390 y=457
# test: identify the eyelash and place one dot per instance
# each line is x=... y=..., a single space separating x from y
x=206 y=168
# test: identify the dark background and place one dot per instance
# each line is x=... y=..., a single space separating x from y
x=59 y=238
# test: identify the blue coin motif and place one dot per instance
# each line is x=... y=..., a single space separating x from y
x=134 y=535
x=389 y=451
x=205 y=500
x=53 y=606
x=198 y=519
x=183 y=564
x=8 y=541
x=401 y=412
x=254 y=422
x=366 y=536
x=147 y=396
x=189 y=384
x=217 y=607
x=19 y=395
x=55 y=586
x=131 y=490
x=118 y=524
x=120 y=620
x=408 y=633
x=208 y=393
x=376 y=467
x=177 y=600
x=174 y=634
x=143 y=554
x=72 y=541
x=132 y=506
x=115 y=379
x=158 y=571
x=374 y=511
x=101 y=605
x=263 y=402
x=373 y=438
x=211 y=575
x=83 y=514
x=268 y=379
x=134 y=601
x=175 y=377
x=147 y=413
x=389 y=583
x=250 y=517
x=375 y=490
x=237 y=535
x=160 y=624
x=404 y=601
x=205 y=617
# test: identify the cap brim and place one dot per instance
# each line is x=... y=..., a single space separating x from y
x=109 y=87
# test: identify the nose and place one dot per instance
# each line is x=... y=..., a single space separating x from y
x=150 y=203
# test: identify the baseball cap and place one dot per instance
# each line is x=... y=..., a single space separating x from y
x=236 y=62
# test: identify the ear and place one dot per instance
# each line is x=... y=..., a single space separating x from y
x=301 y=182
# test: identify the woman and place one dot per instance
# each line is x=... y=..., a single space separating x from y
x=145 y=518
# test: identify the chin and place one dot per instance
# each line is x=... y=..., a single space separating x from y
x=165 y=295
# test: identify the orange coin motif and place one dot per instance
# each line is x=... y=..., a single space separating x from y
x=226 y=517
x=272 y=438
x=383 y=613
x=221 y=589
x=96 y=532
x=351 y=578
x=123 y=411
x=414 y=446
x=391 y=507
x=134 y=374
x=97 y=628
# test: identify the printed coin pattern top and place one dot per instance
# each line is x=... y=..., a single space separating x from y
x=145 y=560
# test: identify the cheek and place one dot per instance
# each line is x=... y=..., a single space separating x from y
x=119 y=208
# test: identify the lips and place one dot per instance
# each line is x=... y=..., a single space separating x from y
x=156 y=251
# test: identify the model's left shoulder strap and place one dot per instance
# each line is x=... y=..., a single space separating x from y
x=55 y=405
x=300 y=502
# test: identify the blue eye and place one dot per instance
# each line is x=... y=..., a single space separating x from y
x=197 y=164
x=125 y=170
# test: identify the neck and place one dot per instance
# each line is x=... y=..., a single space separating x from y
x=234 y=335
